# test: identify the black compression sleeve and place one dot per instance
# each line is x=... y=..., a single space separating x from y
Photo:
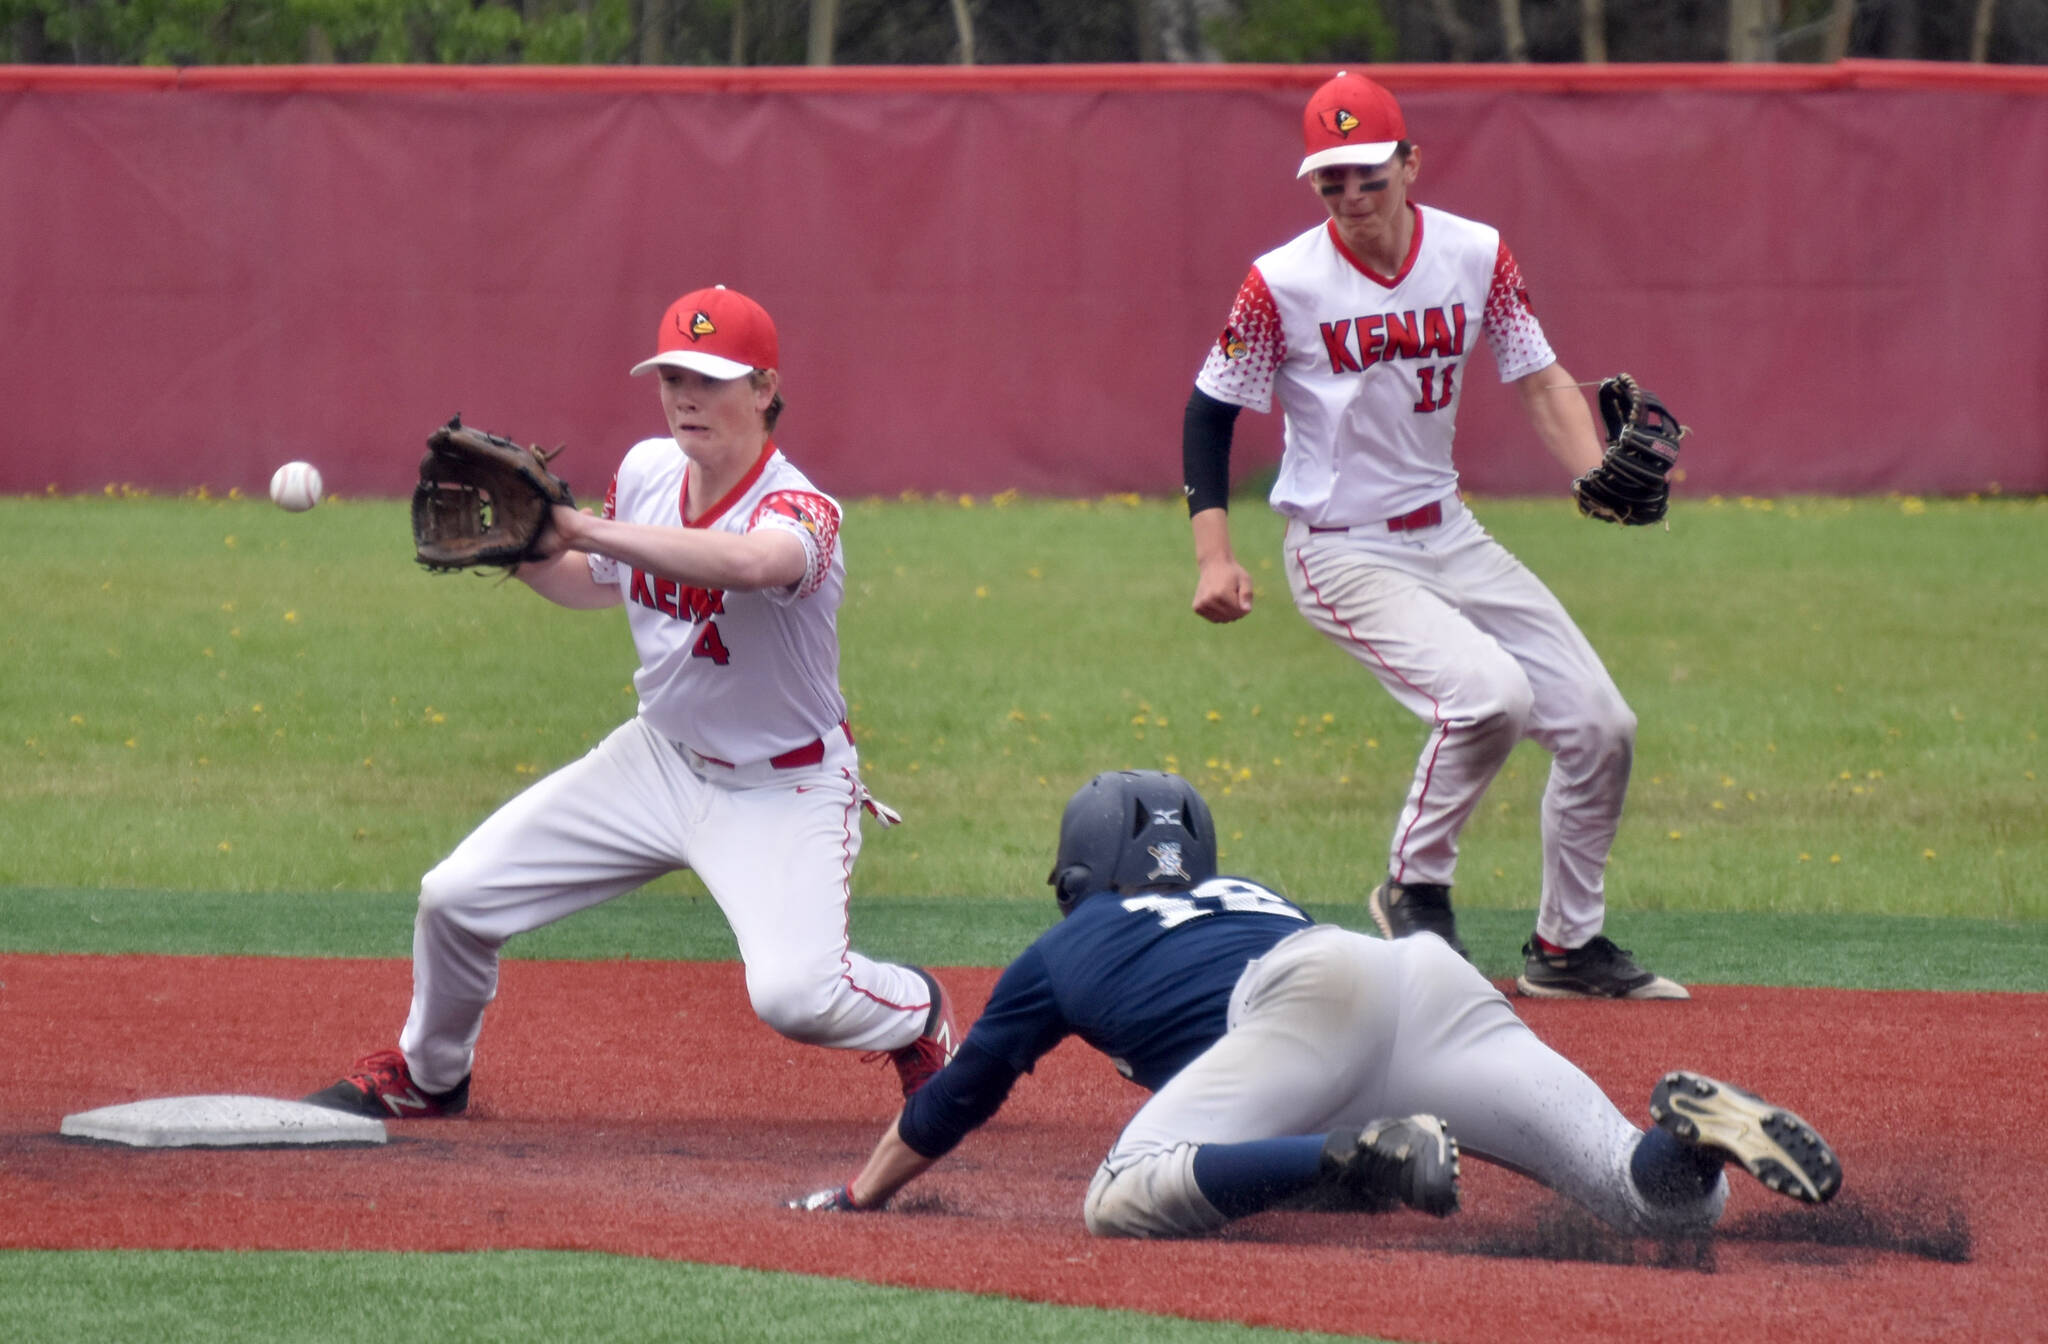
x=1205 y=431
x=959 y=1098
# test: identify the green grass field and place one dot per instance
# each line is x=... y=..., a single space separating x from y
x=229 y=729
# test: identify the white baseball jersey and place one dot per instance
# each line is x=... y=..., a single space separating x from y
x=1368 y=368
x=737 y=677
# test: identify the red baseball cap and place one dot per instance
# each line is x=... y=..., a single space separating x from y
x=1350 y=120
x=719 y=332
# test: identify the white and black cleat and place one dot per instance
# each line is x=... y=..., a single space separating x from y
x=1771 y=1143
x=1413 y=1160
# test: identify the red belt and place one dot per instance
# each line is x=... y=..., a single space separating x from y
x=1429 y=515
x=810 y=753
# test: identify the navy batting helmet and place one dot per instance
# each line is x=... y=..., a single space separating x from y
x=1126 y=830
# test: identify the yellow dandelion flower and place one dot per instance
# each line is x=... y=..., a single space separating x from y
x=981 y=590
x=224 y=847
x=78 y=719
x=1926 y=853
x=129 y=743
x=1214 y=716
x=967 y=501
x=1674 y=835
x=1805 y=857
x=1834 y=858
x=291 y=618
x=228 y=541
x=1720 y=806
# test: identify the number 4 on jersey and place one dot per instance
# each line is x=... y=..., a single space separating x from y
x=709 y=645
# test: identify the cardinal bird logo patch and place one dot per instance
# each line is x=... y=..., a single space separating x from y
x=788 y=507
x=700 y=325
x=1232 y=345
x=1339 y=123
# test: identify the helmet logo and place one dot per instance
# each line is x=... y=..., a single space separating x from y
x=1339 y=122
x=1166 y=816
x=1166 y=861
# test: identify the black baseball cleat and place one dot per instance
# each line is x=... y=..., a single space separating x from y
x=380 y=1085
x=1599 y=970
x=1402 y=908
x=1772 y=1144
x=1413 y=1160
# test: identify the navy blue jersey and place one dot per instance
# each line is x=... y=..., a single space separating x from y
x=1145 y=979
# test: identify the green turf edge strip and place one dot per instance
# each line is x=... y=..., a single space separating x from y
x=1837 y=951
x=343 y=1297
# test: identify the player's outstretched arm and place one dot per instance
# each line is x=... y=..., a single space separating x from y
x=736 y=562
x=562 y=576
x=1558 y=411
x=893 y=1165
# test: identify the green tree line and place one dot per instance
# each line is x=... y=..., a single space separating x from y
x=996 y=32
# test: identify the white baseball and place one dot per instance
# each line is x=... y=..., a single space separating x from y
x=296 y=486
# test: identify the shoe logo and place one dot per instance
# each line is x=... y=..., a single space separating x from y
x=400 y=1102
x=805 y=788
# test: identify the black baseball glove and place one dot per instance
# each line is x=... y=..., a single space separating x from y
x=482 y=500
x=1631 y=485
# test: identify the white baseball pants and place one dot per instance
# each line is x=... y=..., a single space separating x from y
x=1468 y=640
x=775 y=848
x=1334 y=1029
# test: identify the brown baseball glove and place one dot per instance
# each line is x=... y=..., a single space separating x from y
x=482 y=500
x=1631 y=485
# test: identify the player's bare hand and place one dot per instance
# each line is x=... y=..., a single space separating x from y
x=564 y=527
x=1223 y=593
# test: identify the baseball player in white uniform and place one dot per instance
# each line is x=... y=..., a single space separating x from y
x=739 y=764
x=1361 y=330
x=1291 y=1061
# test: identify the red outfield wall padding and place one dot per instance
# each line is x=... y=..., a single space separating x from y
x=990 y=278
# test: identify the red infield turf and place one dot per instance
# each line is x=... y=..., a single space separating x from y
x=638 y=1108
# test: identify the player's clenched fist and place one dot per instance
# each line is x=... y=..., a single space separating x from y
x=1223 y=591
